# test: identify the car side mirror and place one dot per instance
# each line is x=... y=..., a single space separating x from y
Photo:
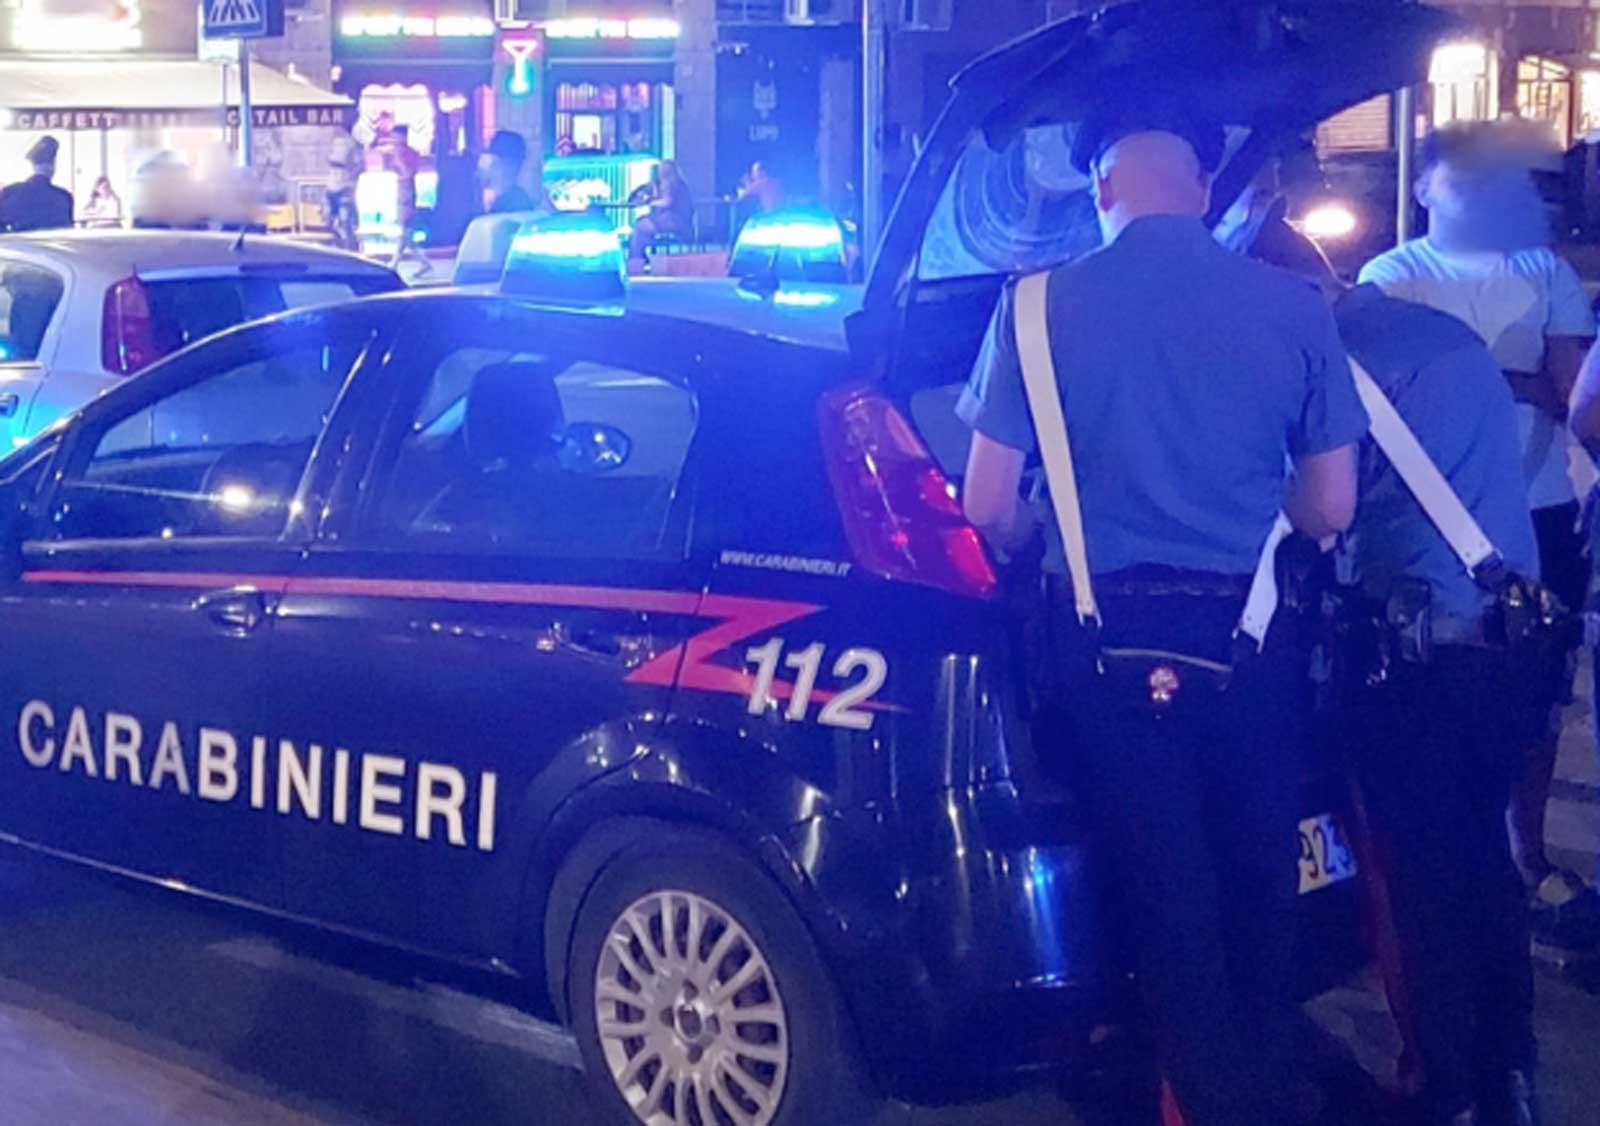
x=592 y=448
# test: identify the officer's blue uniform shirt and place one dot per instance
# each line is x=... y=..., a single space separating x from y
x=1188 y=375
x=1449 y=389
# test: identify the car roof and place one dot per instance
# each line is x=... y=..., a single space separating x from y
x=795 y=313
x=804 y=315
x=148 y=252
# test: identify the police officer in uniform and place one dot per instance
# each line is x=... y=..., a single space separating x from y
x=1433 y=728
x=1189 y=378
x=1485 y=261
x=36 y=204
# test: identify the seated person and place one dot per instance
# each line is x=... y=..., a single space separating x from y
x=671 y=211
x=509 y=490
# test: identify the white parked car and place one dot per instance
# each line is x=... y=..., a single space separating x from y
x=82 y=310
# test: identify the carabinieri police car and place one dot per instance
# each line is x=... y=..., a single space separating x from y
x=642 y=653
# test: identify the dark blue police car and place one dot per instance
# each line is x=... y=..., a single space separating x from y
x=643 y=655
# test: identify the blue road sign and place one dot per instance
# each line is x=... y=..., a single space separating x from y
x=243 y=19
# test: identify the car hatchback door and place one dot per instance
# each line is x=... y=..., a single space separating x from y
x=492 y=619
x=134 y=656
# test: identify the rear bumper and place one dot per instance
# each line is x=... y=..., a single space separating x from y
x=971 y=937
x=967 y=935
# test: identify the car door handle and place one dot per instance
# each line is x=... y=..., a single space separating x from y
x=9 y=402
x=237 y=611
x=600 y=642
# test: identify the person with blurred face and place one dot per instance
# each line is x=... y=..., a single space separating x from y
x=1433 y=740
x=1190 y=379
x=1486 y=261
x=500 y=172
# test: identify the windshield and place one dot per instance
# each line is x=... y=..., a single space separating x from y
x=1015 y=209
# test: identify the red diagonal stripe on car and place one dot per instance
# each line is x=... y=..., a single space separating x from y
x=689 y=665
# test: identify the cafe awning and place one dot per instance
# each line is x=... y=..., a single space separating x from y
x=77 y=95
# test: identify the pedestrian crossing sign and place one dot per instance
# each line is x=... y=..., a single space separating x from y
x=243 y=19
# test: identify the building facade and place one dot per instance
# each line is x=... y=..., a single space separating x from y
x=119 y=83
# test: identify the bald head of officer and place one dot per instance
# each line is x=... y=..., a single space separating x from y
x=1148 y=173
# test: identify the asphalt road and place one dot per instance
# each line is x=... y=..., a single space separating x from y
x=120 y=1006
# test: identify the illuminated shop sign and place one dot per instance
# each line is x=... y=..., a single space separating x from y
x=521 y=51
x=651 y=28
x=134 y=28
x=389 y=25
x=61 y=27
x=89 y=120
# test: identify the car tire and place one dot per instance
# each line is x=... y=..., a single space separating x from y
x=677 y=938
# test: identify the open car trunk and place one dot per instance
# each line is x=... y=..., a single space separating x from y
x=994 y=195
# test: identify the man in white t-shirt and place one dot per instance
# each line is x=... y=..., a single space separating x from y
x=1484 y=261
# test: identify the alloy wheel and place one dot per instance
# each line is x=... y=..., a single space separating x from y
x=689 y=1016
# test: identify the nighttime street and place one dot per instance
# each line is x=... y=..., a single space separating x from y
x=799 y=562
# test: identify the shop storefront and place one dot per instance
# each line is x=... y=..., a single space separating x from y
x=422 y=72
x=608 y=106
x=120 y=83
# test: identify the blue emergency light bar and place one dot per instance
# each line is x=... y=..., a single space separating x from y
x=794 y=244
x=566 y=260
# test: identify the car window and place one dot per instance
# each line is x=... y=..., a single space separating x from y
x=540 y=454
x=222 y=456
x=29 y=296
x=185 y=310
x=1017 y=207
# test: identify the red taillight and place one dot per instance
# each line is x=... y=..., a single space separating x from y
x=127 y=331
x=900 y=515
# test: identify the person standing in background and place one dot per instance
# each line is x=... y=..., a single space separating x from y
x=346 y=162
x=1485 y=260
x=36 y=204
x=404 y=161
x=500 y=172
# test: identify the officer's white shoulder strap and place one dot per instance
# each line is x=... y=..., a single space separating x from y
x=1031 y=322
x=1433 y=492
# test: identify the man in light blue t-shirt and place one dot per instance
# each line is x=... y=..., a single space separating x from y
x=1484 y=261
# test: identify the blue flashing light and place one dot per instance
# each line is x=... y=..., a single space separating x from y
x=576 y=245
x=794 y=231
x=805 y=298
x=566 y=259
x=795 y=244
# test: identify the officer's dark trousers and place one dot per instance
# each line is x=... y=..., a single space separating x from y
x=1437 y=749
x=1199 y=808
